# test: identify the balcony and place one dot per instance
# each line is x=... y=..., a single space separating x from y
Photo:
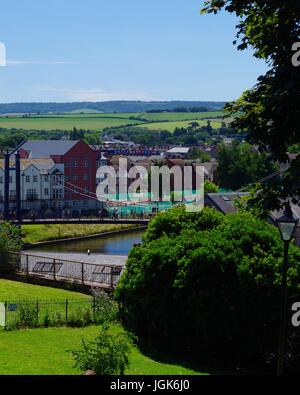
x=32 y=198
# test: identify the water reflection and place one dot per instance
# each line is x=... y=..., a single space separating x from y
x=117 y=244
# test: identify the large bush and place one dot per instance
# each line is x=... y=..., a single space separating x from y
x=174 y=221
x=209 y=294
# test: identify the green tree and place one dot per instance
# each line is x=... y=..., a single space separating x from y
x=210 y=187
x=10 y=241
x=240 y=165
x=210 y=293
x=269 y=111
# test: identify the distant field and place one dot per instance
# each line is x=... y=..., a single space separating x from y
x=88 y=115
x=171 y=126
x=99 y=121
x=65 y=122
x=180 y=116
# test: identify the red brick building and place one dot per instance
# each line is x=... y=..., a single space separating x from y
x=80 y=167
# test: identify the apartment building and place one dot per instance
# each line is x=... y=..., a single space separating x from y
x=79 y=161
x=42 y=185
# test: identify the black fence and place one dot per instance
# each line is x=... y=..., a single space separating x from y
x=47 y=313
x=102 y=276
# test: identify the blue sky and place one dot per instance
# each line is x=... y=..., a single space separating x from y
x=97 y=50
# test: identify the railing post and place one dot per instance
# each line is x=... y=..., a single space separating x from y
x=82 y=273
x=94 y=307
x=54 y=271
x=5 y=311
x=27 y=265
x=111 y=278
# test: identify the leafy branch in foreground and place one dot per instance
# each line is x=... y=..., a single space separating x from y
x=269 y=111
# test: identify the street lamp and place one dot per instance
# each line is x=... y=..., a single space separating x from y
x=287 y=224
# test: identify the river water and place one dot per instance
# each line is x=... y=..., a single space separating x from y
x=115 y=244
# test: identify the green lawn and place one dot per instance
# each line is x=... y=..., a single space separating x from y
x=39 y=233
x=14 y=290
x=45 y=351
x=171 y=126
x=86 y=121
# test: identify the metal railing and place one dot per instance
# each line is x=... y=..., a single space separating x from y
x=16 y=314
x=56 y=269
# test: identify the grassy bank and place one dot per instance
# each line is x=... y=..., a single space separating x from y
x=13 y=290
x=45 y=351
x=40 y=233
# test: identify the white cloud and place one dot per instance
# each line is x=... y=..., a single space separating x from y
x=93 y=95
x=37 y=62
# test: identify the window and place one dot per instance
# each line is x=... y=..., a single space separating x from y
x=31 y=194
x=74 y=177
x=35 y=178
x=75 y=163
x=85 y=177
x=85 y=203
x=1 y=180
x=10 y=179
x=57 y=194
x=46 y=192
x=27 y=179
x=46 y=178
x=86 y=163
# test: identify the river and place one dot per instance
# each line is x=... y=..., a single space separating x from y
x=113 y=244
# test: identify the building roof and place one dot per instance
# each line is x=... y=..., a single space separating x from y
x=179 y=150
x=224 y=202
x=45 y=148
x=41 y=164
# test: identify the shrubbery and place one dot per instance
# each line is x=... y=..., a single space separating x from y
x=10 y=241
x=99 y=310
x=108 y=354
x=208 y=287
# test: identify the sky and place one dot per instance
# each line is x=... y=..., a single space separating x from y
x=99 y=50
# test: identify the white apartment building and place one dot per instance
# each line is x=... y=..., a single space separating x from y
x=42 y=185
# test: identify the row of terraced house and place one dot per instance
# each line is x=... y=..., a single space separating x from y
x=56 y=175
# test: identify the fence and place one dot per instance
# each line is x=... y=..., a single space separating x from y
x=44 y=313
x=103 y=276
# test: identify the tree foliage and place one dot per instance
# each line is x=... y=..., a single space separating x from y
x=269 y=111
x=209 y=292
x=10 y=241
x=108 y=354
x=241 y=165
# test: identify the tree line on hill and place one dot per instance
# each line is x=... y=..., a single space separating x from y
x=107 y=107
x=192 y=135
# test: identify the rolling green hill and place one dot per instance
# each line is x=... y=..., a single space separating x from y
x=84 y=121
